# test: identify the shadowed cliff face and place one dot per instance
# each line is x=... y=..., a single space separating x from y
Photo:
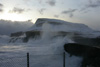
x=74 y=36
x=31 y=34
x=91 y=56
x=17 y=34
x=54 y=28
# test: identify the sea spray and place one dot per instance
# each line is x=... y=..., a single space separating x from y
x=48 y=50
x=47 y=31
x=52 y=43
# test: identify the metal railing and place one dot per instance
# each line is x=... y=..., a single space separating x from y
x=31 y=60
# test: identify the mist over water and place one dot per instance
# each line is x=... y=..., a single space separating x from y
x=50 y=43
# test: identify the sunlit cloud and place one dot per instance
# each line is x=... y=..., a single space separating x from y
x=41 y=11
x=12 y=16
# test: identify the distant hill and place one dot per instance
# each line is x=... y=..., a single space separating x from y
x=43 y=24
x=53 y=28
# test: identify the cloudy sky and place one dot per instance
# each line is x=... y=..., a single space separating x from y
x=79 y=11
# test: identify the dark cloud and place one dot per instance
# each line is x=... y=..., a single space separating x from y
x=90 y=4
x=70 y=12
x=93 y=3
x=57 y=16
x=40 y=1
x=27 y=9
x=27 y=2
x=8 y=27
x=17 y=10
x=41 y=11
x=1 y=10
x=51 y=2
x=1 y=5
x=71 y=15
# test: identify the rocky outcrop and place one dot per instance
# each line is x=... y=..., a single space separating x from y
x=75 y=36
x=90 y=54
x=17 y=34
x=31 y=34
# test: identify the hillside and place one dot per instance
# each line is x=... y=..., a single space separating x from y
x=45 y=42
x=53 y=28
x=55 y=25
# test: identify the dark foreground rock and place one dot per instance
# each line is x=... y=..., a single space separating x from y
x=90 y=55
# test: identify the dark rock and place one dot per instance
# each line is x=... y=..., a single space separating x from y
x=17 y=34
x=90 y=55
x=31 y=34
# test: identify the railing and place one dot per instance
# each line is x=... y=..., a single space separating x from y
x=31 y=60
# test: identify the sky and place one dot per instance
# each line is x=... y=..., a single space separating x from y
x=77 y=11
